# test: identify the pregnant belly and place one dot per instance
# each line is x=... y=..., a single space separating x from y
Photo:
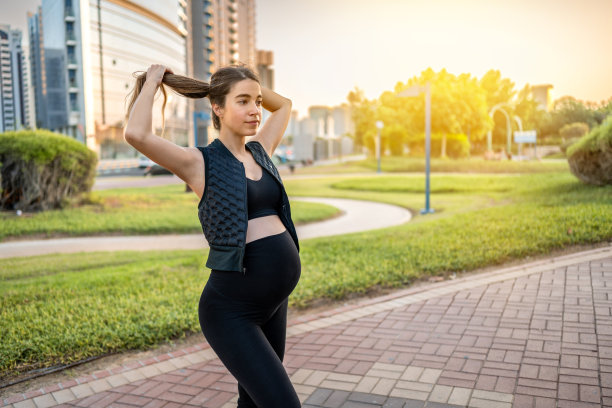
x=263 y=226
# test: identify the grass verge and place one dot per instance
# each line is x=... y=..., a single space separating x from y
x=62 y=308
x=130 y=211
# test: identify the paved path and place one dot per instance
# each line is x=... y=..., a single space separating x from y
x=356 y=216
x=535 y=335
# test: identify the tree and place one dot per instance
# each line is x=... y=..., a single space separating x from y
x=363 y=116
x=458 y=107
x=570 y=110
x=498 y=90
x=474 y=114
x=526 y=108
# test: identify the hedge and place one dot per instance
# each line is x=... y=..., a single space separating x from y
x=40 y=170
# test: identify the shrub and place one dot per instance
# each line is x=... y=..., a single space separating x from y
x=571 y=133
x=590 y=159
x=576 y=129
x=42 y=170
x=457 y=145
x=395 y=136
x=568 y=143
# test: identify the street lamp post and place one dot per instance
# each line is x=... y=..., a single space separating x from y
x=379 y=126
x=413 y=91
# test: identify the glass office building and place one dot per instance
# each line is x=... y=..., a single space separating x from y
x=87 y=53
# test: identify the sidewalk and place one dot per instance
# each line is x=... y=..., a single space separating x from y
x=356 y=216
x=535 y=335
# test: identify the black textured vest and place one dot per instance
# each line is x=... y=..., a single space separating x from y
x=222 y=210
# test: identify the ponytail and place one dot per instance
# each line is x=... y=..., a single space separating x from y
x=182 y=85
x=220 y=85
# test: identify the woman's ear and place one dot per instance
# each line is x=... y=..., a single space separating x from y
x=218 y=110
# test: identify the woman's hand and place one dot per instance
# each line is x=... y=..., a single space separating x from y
x=156 y=72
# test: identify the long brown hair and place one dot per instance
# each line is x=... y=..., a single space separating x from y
x=220 y=85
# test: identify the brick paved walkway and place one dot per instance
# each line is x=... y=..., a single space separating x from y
x=537 y=335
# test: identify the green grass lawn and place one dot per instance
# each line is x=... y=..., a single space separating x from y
x=168 y=209
x=417 y=164
x=130 y=211
x=62 y=308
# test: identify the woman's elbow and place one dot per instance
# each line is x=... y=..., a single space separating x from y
x=131 y=138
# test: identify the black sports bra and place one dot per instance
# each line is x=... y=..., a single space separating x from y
x=263 y=196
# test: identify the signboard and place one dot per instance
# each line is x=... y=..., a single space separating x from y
x=526 y=136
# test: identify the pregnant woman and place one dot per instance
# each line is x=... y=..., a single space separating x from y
x=246 y=219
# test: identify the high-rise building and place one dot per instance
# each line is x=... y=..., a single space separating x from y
x=343 y=124
x=14 y=98
x=221 y=32
x=541 y=94
x=293 y=125
x=246 y=32
x=231 y=26
x=322 y=115
x=265 y=60
x=37 y=68
x=304 y=139
x=83 y=54
x=265 y=72
x=324 y=133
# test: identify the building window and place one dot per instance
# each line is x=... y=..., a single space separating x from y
x=72 y=78
x=74 y=106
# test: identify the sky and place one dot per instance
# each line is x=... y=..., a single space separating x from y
x=325 y=48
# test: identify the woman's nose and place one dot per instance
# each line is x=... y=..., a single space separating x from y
x=254 y=108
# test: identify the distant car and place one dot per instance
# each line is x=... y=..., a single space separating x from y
x=155 y=170
x=151 y=168
x=144 y=162
x=284 y=154
x=277 y=160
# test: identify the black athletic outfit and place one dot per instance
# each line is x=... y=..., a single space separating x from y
x=244 y=315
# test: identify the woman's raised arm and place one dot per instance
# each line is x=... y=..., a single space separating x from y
x=271 y=132
x=186 y=162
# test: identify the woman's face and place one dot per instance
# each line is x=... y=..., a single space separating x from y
x=242 y=111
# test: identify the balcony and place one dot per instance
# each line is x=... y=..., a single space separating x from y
x=70 y=37
x=69 y=14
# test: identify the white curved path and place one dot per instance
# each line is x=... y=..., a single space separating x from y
x=356 y=216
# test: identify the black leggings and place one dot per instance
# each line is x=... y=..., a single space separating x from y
x=244 y=319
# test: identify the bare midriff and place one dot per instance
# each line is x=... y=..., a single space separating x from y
x=263 y=226
x=259 y=227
